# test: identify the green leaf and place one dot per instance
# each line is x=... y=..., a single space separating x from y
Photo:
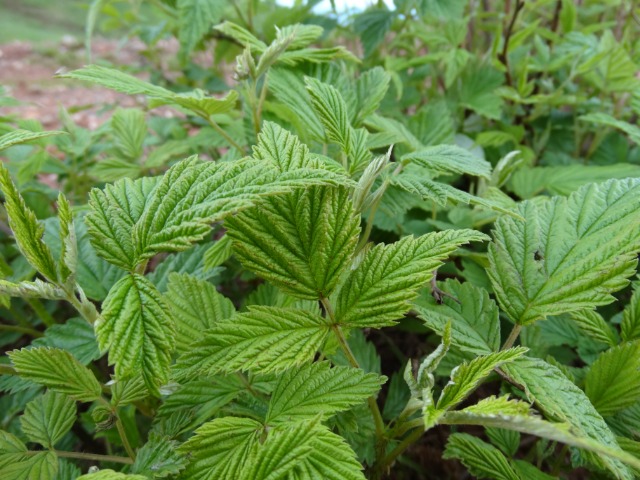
x=601 y=118
x=68 y=263
x=220 y=448
x=108 y=474
x=48 y=418
x=630 y=327
x=26 y=229
x=372 y=26
x=303 y=393
x=195 y=101
x=282 y=149
x=481 y=459
x=507 y=441
x=563 y=180
x=466 y=377
x=570 y=253
x=301 y=241
x=330 y=459
x=158 y=458
x=474 y=318
x=332 y=111
x=371 y=88
x=450 y=159
x=264 y=339
x=378 y=291
x=35 y=289
x=129 y=129
x=37 y=465
x=12 y=450
x=285 y=447
x=196 y=20
x=196 y=306
x=75 y=335
x=476 y=89
x=188 y=262
x=613 y=381
x=218 y=253
x=137 y=330
x=561 y=400
x=17 y=137
x=592 y=324
x=242 y=35
x=58 y=370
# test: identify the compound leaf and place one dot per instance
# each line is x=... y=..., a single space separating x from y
x=137 y=330
x=378 y=291
x=301 y=241
x=570 y=253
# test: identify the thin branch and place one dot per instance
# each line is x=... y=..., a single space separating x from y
x=504 y=55
x=512 y=337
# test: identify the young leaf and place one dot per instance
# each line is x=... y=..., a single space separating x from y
x=264 y=339
x=129 y=128
x=26 y=229
x=332 y=111
x=108 y=474
x=570 y=253
x=220 y=448
x=474 y=321
x=48 y=418
x=481 y=459
x=371 y=88
x=158 y=458
x=68 y=263
x=301 y=242
x=561 y=400
x=58 y=370
x=630 y=327
x=303 y=393
x=450 y=159
x=282 y=149
x=196 y=306
x=592 y=324
x=137 y=330
x=218 y=253
x=379 y=290
x=506 y=440
x=612 y=383
x=466 y=377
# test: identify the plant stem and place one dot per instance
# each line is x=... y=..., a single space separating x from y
x=90 y=456
x=26 y=330
x=367 y=231
x=512 y=337
x=125 y=440
x=258 y=112
x=225 y=135
x=504 y=55
x=380 y=467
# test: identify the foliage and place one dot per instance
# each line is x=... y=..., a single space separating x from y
x=249 y=290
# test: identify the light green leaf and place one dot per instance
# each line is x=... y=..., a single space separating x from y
x=601 y=118
x=282 y=149
x=196 y=19
x=561 y=400
x=613 y=381
x=481 y=459
x=58 y=370
x=285 y=447
x=108 y=474
x=17 y=137
x=301 y=241
x=450 y=159
x=196 y=306
x=507 y=441
x=220 y=448
x=563 y=180
x=570 y=253
x=371 y=88
x=474 y=320
x=137 y=330
x=331 y=458
x=68 y=263
x=592 y=323
x=128 y=391
x=26 y=229
x=37 y=465
x=75 y=335
x=194 y=101
x=35 y=289
x=378 y=291
x=48 y=418
x=242 y=35
x=158 y=458
x=12 y=450
x=305 y=392
x=263 y=339
x=129 y=128
x=218 y=253
x=332 y=111
x=466 y=377
x=630 y=327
